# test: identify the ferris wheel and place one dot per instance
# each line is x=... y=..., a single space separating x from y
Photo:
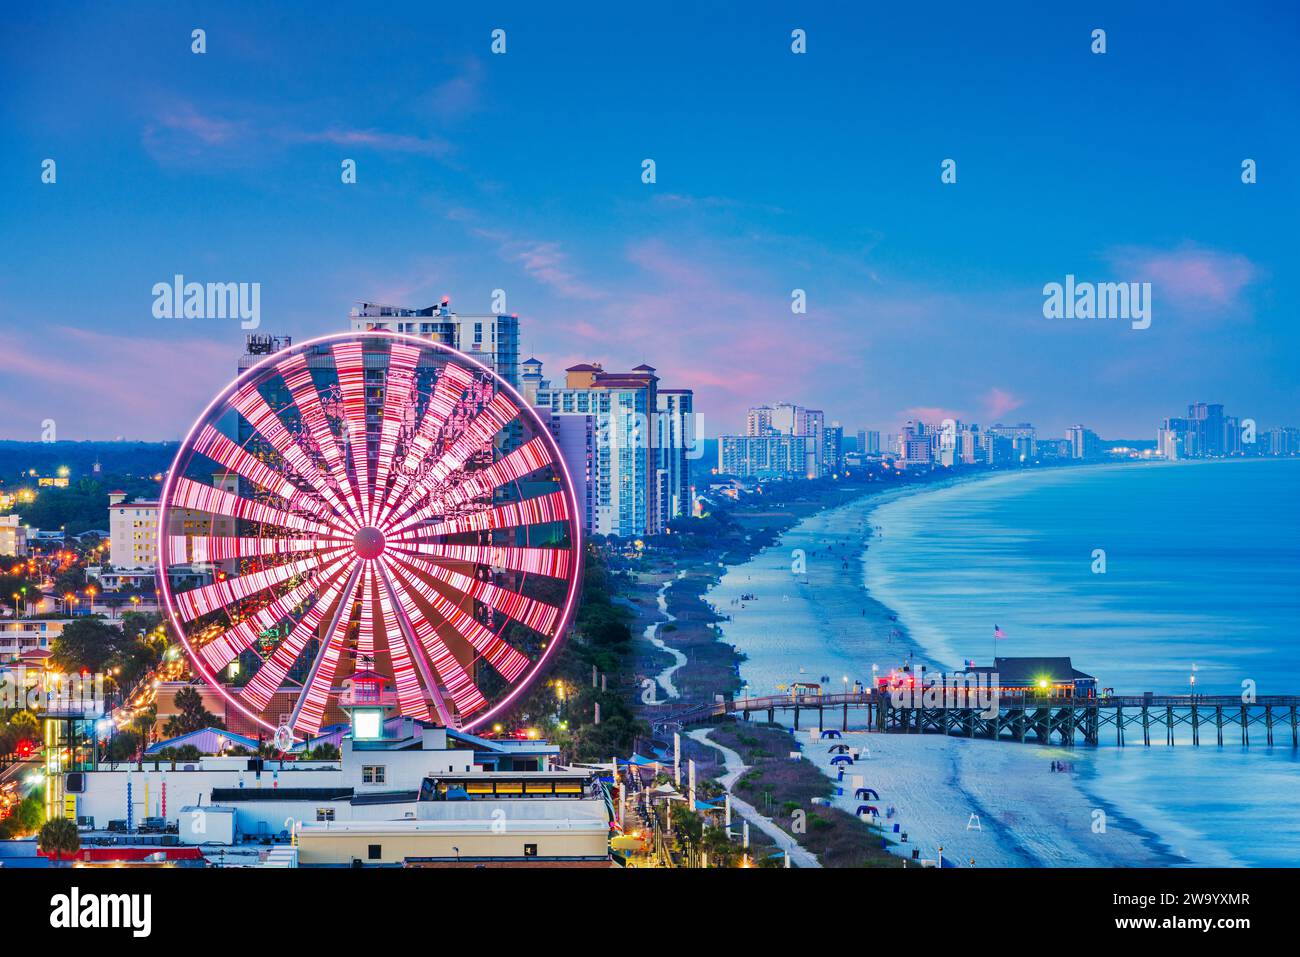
x=369 y=502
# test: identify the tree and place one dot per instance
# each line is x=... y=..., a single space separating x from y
x=86 y=644
x=59 y=837
x=188 y=752
x=192 y=717
x=123 y=746
x=29 y=814
x=143 y=724
x=25 y=725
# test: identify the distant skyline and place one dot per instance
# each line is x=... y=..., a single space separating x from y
x=775 y=172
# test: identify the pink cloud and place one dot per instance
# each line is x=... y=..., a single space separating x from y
x=998 y=402
x=1190 y=276
x=929 y=414
x=181 y=131
x=111 y=385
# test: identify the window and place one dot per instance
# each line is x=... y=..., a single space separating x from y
x=372 y=774
x=325 y=814
x=375 y=852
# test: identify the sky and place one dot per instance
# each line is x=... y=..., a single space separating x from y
x=774 y=171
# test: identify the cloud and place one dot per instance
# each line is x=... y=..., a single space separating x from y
x=1190 y=276
x=376 y=139
x=998 y=402
x=460 y=93
x=930 y=414
x=111 y=385
x=179 y=131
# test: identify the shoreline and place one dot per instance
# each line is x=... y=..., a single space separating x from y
x=1014 y=827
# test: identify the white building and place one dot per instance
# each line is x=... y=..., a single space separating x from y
x=13 y=536
x=491 y=339
x=18 y=637
x=132 y=532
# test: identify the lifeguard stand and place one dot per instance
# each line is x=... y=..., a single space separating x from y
x=368 y=704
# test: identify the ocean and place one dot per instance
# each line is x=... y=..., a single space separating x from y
x=1146 y=575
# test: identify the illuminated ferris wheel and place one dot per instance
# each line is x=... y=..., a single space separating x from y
x=375 y=503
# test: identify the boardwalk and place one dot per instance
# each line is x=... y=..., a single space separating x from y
x=1227 y=719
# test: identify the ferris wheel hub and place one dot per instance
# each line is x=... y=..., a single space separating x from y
x=369 y=542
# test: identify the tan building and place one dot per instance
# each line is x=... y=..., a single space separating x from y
x=13 y=536
x=503 y=830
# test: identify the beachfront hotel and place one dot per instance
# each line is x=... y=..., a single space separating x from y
x=626 y=442
x=784 y=441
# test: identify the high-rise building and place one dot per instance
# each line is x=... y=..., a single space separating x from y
x=788 y=419
x=918 y=445
x=1022 y=436
x=869 y=442
x=772 y=456
x=675 y=439
x=1205 y=432
x=491 y=339
x=628 y=441
x=758 y=421
x=833 y=447
x=1084 y=443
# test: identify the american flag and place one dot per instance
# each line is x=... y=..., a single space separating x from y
x=998 y=632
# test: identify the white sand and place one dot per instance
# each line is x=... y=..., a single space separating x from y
x=823 y=623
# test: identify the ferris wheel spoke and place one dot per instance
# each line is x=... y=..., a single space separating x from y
x=424 y=635
x=540 y=510
x=524 y=460
x=349 y=360
x=219 y=594
x=551 y=562
x=509 y=662
x=494 y=417
x=366 y=623
x=537 y=615
x=528 y=458
x=408 y=667
x=310 y=709
x=263 y=685
x=225 y=452
x=205 y=498
x=297 y=376
x=447 y=391
x=194 y=549
x=249 y=403
x=402 y=360
x=229 y=645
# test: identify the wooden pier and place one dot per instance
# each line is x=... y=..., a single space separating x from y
x=1067 y=721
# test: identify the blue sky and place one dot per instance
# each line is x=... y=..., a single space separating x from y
x=775 y=171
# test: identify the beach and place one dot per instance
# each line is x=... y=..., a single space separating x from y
x=801 y=610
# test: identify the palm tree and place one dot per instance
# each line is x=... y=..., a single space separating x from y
x=59 y=837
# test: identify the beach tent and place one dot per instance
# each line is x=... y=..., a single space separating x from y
x=841 y=759
x=863 y=794
x=639 y=761
x=839 y=749
x=867 y=809
x=830 y=733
